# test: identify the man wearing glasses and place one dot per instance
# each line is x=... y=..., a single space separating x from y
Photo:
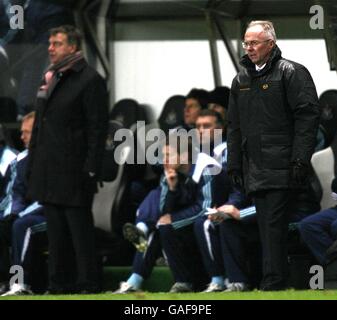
x=272 y=126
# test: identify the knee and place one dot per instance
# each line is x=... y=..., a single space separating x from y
x=199 y=224
x=305 y=227
x=333 y=229
x=17 y=226
x=165 y=231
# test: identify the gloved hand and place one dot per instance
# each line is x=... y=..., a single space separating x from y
x=236 y=179
x=299 y=173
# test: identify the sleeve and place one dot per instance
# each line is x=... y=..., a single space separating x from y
x=95 y=102
x=234 y=139
x=303 y=100
x=202 y=200
x=237 y=199
x=19 y=188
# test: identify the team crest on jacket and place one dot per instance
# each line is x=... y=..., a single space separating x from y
x=265 y=86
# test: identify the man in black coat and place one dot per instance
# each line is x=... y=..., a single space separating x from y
x=273 y=122
x=65 y=157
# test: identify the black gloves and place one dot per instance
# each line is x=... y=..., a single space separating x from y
x=236 y=179
x=299 y=173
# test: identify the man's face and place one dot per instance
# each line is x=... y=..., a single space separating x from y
x=26 y=131
x=206 y=126
x=260 y=45
x=59 y=48
x=191 y=111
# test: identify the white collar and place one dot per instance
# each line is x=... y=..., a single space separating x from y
x=260 y=68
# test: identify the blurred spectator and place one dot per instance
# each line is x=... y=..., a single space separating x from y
x=218 y=101
x=196 y=100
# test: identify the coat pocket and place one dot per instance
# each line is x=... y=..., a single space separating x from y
x=276 y=151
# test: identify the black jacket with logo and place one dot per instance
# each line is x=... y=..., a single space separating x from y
x=273 y=119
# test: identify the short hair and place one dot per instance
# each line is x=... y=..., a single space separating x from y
x=212 y=113
x=220 y=96
x=267 y=26
x=201 y=95
x=74 y=36
x=30 y=115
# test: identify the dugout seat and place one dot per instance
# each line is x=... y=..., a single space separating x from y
x=109 y=202
x=128 y=112
x=328 y=119
x=172 y=114
x=324 y=165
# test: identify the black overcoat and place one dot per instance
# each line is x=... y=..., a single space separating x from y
x=272 y=120
x=68 y=138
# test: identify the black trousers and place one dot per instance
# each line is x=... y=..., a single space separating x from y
x=72 y=261
x=272 y=208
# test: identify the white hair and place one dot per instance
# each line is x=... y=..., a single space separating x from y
x=267 y=26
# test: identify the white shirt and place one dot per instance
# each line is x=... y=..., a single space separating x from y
x=260 y=68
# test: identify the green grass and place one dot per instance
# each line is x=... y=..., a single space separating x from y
x=254 y=295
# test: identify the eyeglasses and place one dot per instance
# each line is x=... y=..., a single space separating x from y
x=253 y=43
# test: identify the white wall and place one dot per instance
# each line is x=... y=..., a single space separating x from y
x=152 y=71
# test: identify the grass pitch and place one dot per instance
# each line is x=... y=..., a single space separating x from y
x=253 y=295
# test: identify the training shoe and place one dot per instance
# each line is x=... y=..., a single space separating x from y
x=180 y=287
x=135 y=236
x=17 y=290
x=125 y=287
x=236 y=286
x=214 y=287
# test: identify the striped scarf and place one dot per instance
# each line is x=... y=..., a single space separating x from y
x=50 y=79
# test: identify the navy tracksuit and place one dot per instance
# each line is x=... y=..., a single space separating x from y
x=181 y=246
x=181 y=204
x=319 y=231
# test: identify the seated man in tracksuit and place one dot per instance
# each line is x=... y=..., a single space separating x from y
x=206 y=232
x=176 y=195
x=319 y=231
x=175 y=237
x=16 y=213
x=7 y=155
x=239 y=236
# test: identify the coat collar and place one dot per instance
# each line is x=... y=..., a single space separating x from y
x=79 y=66
x=276 y=55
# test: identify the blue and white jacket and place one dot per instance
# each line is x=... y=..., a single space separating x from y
x=14 y=201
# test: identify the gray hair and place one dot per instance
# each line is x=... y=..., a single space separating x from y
x=267 y=26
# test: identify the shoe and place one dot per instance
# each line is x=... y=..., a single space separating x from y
x=236 y=286
x=125 y=287
x=180 y=287
x=135 y=236
x=214 y=287
x=17 y=290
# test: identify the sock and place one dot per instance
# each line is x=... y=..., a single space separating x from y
x=135 y=280
x=219 y=280
x=143 y=227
